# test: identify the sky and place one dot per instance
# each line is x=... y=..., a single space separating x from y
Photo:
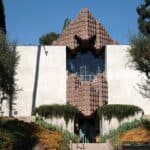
x=27 y=20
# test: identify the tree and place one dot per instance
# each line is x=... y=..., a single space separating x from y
x=48 y=38
x=8 y=63
x=144 y=18
x=140 y=48
x=2 y=18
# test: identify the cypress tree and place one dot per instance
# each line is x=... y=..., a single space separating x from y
x=144 y=18
x=2 y=18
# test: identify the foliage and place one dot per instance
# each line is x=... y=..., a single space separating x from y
x=140 y=58
x=15 y=135
x=48 y=38
x=133 y=132
x=122 y=128
x=49 y=111
x=140 y=53
x=66 y=135
x=144 y=17
x=140 y=48
x=18 y=135
x=8 y=63
x=146 y=123
x=2 y=18
x=118 y=111
x=47 y=139
x=66 y=23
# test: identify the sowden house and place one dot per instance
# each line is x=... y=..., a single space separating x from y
x=84 y=67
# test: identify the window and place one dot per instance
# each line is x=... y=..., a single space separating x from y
x=86 y=65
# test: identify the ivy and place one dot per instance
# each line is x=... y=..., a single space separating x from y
x=117 y=111
x=49 y=111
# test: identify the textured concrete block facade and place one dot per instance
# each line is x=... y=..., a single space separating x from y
x=87 y=96
x=85 y=26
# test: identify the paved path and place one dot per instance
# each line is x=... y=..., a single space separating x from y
x=91 y=146
x=26 y=118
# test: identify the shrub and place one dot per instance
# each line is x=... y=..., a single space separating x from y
x=15 y=134
x=146 y=123
x=18 y=135
x=118 y=111
x=49 y=111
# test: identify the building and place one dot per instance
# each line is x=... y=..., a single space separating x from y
x=84 y=67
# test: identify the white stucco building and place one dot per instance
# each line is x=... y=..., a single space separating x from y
x=84 y=67
x=42 y=78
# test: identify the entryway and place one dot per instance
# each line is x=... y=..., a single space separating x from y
x=87 y=128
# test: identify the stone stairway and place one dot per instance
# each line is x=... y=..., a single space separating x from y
x=90 y=146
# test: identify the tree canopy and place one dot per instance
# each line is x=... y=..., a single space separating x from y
x=144 y=18
x=8 y=63
x=48 y=38
x=140 y=47
x=2 y=18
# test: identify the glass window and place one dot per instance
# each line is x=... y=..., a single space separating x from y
x=86 y=65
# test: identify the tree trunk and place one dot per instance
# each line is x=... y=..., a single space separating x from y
x=10 y=105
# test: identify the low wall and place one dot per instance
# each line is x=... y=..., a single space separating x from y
x=108 y=125
x=60 y=121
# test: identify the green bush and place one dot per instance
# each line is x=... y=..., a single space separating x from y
x=15 y=135
x=146 y=123
x=49 y=111
x=118 y=111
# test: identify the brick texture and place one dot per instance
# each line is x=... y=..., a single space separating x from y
x=85 y=33
x=85 y=26
x=87 y=96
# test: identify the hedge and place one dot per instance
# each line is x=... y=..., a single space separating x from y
x=118 y=111
x=49 y=111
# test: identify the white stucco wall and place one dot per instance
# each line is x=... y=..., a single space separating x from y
x=53 y=76
x=25 y=79
x=107 y=125
x=60 y=122
x=122 y=79
x=51 y=85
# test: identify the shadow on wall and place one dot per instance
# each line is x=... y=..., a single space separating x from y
x=37 y=66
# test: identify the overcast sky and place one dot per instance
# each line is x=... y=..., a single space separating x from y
x=27 y=20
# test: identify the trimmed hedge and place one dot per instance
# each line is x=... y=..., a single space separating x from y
x=49 y=111
x=118 y=111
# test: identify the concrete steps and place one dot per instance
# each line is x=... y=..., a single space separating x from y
x=90 y=146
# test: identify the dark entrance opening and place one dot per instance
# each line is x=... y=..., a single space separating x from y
x=87 y=128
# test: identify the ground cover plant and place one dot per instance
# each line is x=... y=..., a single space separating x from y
x=66 y=135
x=18 y=135
x=137 y=131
